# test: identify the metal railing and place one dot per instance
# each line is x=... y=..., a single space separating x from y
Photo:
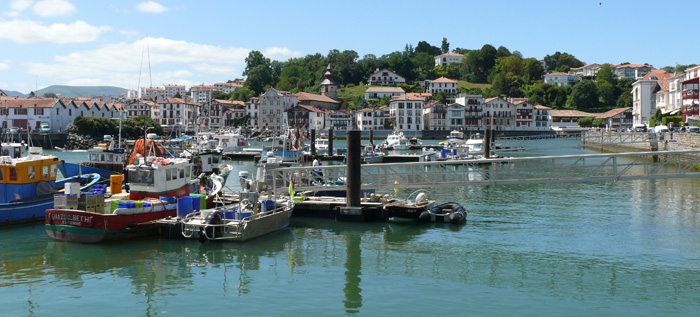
x=525 y=170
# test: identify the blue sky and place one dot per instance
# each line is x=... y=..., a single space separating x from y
x=76 y=42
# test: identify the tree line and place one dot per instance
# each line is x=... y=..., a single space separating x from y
x=506 y=72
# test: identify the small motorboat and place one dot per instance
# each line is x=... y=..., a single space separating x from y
x=450 y=212
x=407 y=210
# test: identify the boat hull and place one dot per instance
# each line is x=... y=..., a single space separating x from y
x=105 y=170
x=35 y=210
x=89 y=227
x=401 y=213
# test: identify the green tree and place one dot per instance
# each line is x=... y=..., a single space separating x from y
x=532 y=69
x=561 y=62
x=50 y=95
x=502 y=51
x=445 y=47
x=242 y=94
x=606 y=93
x=258 y=72
x=605 y=73
x=425 y=47
x=177 y=95
x=32 y=94
x=584 y=95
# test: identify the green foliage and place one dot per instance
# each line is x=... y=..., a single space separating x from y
x=32 y=94
x=384 y=101
x=658 y=115
x=561 y=62
x=591 y=122
x=96 y=127
x=177 y=95
x=584 y=95
x=445 y=46
x=425 y=47
x=652 y=122
x=242 y=94
x=677 y=120
x=220 y=95
x=50 y=95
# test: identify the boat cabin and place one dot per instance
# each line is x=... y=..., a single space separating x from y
x=155 y=177
x=13 y=150
x=19 y=176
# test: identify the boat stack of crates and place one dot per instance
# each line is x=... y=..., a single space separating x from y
x=93 y=200
x=65 y=201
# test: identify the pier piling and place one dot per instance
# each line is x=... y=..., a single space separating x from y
x=313 y=142
x=330 y=142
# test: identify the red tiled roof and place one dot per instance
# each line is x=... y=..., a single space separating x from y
x=664 y=85
x=632 y=66
x=443 y=80
x=612 y=113
x=305 y=96
x=570 y=114
x=556 y=74
x=28 y=103
x=658 y=73
x=542 y=107
x=451 y=54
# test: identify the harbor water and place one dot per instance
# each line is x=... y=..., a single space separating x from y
x=575 y=249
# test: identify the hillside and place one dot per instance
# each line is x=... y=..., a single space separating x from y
x=13 y=93
x=82 y=91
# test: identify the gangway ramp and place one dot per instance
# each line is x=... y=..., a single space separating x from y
x=502 y=171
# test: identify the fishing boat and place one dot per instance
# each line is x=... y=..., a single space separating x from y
x=153 y=184
x=28 y=183
x=372 y=157
x=247 y=219
x=104 y=159
x=450 y=212
x=230 y=142
x=407 y=210
x=455 y=138
x=322 y=145
x=396 y=141
x=415 y=143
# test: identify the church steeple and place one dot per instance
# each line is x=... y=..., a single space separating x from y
x=329 y=87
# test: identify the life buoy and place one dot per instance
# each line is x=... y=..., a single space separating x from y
x=225 y=144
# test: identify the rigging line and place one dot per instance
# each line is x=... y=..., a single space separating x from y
x=138 y=85
x=148 y=51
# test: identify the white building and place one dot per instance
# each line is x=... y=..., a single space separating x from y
x=381 y=92
x=435 y=116
x=222 y=112
x=172 y=90
x=201 y=93
x=252 y=111
x=384 y=77
x=176 y=113
x=561 y=79
x=589 y=70
x=273 y=105
x=370 y=119
x=542 y=118
x=31 y=113
x=644 y=95
x=442 y=84
x=227 y=87
x=473 y=110
x=137 y=108
x=407 y=111
x=448 y=59
x=524 y=115
x=338 y=120
x=455 y=117
x=499 y=114
x=632 y=71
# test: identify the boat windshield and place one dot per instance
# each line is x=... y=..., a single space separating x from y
x=141 y=177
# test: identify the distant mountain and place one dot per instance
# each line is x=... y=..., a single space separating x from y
x=81 y=91
x=13 y=93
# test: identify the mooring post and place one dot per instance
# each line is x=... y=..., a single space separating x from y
x=487 y=143
x=313 y=143
x=371 y=137
x=354 y=168
x=330 y=142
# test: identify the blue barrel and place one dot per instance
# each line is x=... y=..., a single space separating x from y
x=195 y=203
x=131 y=204
x=267 y=205
x=184 y=206
x=123 y=204
x=443 y=153
x=454 y=151
x=242 y=215
x=147 y=204
x=228 y=214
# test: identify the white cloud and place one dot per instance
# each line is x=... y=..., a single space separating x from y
x=25 y=31
x=20 y=5
x=280 y=53
x=4 y=66
x=129 y=33
x=210 y=69
x=151 y=7
x=53 y=8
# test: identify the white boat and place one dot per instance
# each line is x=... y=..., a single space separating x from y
x=456 y=138
x=246 y=219
x=415 y=143
x=230 y=142
x=396 y=141
x=322 y=145
x=371 y=157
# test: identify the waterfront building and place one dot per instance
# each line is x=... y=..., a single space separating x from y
x=338 y=120
x=473 y=110
x=435 y=116
x=31 y=113
x=251 y=110
x=213 y=113
x=318 y=101
x=561 y=79
x=643 y=96
x=448 y=59
x=407 y=112
x=273 y=104
x=690 y=94
x=668 y=95
x=563 y=119
x=455 y=117
x=524 y=119
x=329 y=88
x=617 y=119
x=381 y=92
x=176 y=114
x=384 y=77
x=542 y=118
x=498 y=114
x=370 y=119
x=138 y=107
x=151 y=91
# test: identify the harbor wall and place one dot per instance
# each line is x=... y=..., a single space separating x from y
x=667 y=142
x=44 y=140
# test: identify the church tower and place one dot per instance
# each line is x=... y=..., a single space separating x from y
x=329 y=87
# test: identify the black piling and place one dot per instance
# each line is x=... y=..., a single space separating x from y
x=330 y=142
x=354 y=168
x=487 y=142
x=313 y=142
x=371 y=137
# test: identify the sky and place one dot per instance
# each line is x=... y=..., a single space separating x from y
x=94 y=43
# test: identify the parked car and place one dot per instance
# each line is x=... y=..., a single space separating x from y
x=692 y=129
x=44 y=128
x=661 y=129
x=14 y=130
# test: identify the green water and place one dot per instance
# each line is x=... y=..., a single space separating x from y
x=626 y=248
